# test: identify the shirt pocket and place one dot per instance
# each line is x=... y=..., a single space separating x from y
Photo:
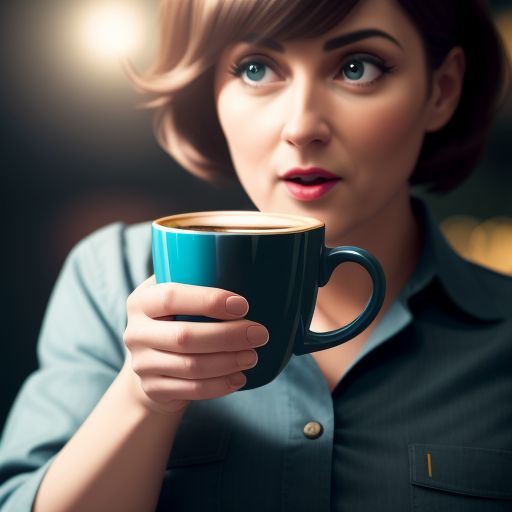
x=460 y=478
x=192 y=480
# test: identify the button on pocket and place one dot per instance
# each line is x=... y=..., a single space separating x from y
x=453 y=478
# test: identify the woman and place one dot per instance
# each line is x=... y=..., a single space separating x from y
x=414 y=413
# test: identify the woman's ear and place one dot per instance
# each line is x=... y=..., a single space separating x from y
x=446 y=89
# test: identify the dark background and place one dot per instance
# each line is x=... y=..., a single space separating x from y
x=77 y=154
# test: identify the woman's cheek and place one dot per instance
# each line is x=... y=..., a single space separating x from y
x=388 y=133
x=244 y=130
x=379 y=124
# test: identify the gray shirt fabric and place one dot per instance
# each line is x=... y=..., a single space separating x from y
x=422 y=420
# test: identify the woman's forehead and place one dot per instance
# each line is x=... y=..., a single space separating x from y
x=383 y=19
x=287 y=20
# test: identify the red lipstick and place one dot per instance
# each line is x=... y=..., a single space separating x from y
x=309 y=184
x=310 y=171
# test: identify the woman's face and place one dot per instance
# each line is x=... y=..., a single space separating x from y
x=358 y=109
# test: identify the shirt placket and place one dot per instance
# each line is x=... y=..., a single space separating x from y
x=308 y=458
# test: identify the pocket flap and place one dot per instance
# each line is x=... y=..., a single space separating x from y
x=198 y=443
x=467 y=470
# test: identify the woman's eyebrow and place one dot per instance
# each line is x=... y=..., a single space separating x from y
x=352 y=37
x=330 y=45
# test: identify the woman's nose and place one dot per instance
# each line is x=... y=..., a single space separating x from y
x=304 y=116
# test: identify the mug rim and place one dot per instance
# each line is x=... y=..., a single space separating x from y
x=304 y=223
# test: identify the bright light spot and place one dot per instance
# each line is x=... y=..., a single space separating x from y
x=111 y=30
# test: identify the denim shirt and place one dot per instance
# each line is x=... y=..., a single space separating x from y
x=421 y=420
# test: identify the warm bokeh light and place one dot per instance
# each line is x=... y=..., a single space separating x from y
x=111 y=30
x=504 y=23
x=487 y=243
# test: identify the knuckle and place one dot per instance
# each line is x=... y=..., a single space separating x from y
x=128 y=338
x=131 y=302
x=168 y=297
x=227 y=385
x=150 y=388
x=189 y=365
x=237 y=361
x=210 y=302
x=136 y=365
x=141 y=367
x=181 y=337
x=131 y=336
x=156 y=392
x=197 y=388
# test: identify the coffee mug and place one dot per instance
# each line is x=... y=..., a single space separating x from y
x=276 y=261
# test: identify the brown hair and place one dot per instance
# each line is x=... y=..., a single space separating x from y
x=194 y=33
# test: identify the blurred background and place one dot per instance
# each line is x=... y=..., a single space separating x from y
x=77 y=155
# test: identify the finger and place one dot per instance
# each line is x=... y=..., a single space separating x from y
x=193 y=366
x=168 y=389
x=151 y=280
x=196 y=337
x=166 y=299
x=133 y=300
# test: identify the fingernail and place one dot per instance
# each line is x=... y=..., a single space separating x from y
x=237 y=379
x=247 y=358
x=257 y=335
x=237 y=306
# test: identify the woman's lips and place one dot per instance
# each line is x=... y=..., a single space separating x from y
x=310 y=172
x=304 y=192
x=310 y=183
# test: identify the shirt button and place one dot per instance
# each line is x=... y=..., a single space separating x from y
x=313 y=429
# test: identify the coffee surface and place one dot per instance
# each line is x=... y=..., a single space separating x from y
x=228 y=229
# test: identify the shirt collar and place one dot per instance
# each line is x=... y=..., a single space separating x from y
x=480 y=292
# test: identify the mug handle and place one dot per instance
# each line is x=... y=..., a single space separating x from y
x=312 y=341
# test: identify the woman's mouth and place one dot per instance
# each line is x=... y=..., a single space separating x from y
x=309 y=184
x=309 y=189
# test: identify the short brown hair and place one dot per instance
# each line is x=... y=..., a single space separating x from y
x=194 y=33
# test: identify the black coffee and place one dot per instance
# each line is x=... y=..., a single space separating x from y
x=227 y=229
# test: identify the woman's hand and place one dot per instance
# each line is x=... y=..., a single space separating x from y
x=178 y=361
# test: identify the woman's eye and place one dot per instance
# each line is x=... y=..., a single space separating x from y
x=363 y=70
x=253 y=72
x=357 y=70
